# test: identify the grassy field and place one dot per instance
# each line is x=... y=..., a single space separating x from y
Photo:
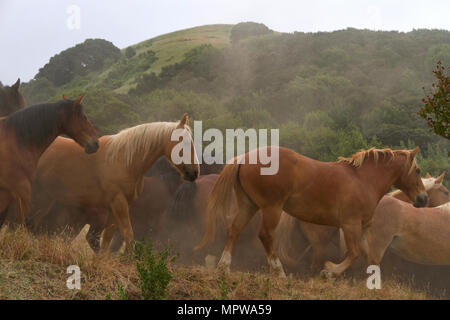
x=171 y=47
x=35 y=268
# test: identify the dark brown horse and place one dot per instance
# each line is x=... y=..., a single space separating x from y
x=342 y=194
x=25 y=135
x=11 y=99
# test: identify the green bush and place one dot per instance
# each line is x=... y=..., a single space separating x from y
x=153 y=271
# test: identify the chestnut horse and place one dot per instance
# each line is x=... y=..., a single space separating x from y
x=187 y=219
x=11 y=99
x=25 y=135
x=318 y=237
x=342 y=194
x=112 y=178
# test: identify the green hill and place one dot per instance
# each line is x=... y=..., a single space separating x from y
x=329 y=93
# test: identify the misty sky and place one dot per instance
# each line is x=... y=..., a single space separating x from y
x=32 y=31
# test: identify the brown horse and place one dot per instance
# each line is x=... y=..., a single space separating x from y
x=112 y=178
x=187 y=219
x=11 y=99
x=342 y=194
x=25 y=135
x=319 y=237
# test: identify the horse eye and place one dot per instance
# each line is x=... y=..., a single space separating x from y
x=418 y=171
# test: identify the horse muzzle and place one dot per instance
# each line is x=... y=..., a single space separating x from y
x=421 y=200
x=91 y=147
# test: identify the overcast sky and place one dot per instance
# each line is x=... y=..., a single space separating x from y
x=32 y=31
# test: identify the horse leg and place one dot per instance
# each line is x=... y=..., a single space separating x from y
x=93 y=237
x=245 y=210
x=35 y=220
x=97 y=223
x=352 y=236
x=270 y=219
x=5 y=201
x=108 y=233
x=23 y=202
x=319 y=237
x=116 y=242
x=120 y=209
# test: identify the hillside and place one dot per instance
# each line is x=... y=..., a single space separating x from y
x=329 y=93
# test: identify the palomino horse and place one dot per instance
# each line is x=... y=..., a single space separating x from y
x=318 y=237
x=146 y=213
x=160 y=183
x=25 y=135
x=342 y=194
x=11 y=99
x=419 y=235
x=113 y=177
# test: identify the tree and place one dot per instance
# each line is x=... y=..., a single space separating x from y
x=436 y=108
x=130 y=52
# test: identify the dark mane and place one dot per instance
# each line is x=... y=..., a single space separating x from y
x=34 y=125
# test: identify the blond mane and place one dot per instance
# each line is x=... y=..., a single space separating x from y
x=358 y=158
x=139 y=140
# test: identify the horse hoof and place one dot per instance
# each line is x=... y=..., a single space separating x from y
x=326 y=274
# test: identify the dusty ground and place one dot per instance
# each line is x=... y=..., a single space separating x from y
x=35 y=268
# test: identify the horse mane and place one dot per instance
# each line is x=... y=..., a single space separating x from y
x=35 y=124
x=138 y=140
x=357 y=159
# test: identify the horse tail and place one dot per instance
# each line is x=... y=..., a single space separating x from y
x=284 y=242
x=220 y=199
x=182 y=206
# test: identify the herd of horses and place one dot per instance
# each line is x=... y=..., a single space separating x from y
x=126 y=187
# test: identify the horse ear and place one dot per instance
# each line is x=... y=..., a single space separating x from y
x=78 y=100
x=440 y=178
x=64 y=97
x=16 y=85
x=428 y=176
x=414 y=152
x=184 y=121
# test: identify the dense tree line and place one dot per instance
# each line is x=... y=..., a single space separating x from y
x=329 y=93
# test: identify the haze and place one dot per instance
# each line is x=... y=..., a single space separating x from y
x=33 y=31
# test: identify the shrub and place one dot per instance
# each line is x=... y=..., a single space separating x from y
x=154 y=274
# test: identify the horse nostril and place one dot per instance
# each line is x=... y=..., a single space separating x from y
x=421 y=200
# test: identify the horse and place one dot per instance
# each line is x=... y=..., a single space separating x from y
x=146 y=213
x=113 y=178
x=318 y=237
x=419 y=235
x=160 y=182
x=11 y=99
x=25 y=135
x=342 y=194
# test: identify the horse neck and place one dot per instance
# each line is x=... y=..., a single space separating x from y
x=141 y=163
x=382 y=175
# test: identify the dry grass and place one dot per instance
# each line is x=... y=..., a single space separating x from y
x=35 y=268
